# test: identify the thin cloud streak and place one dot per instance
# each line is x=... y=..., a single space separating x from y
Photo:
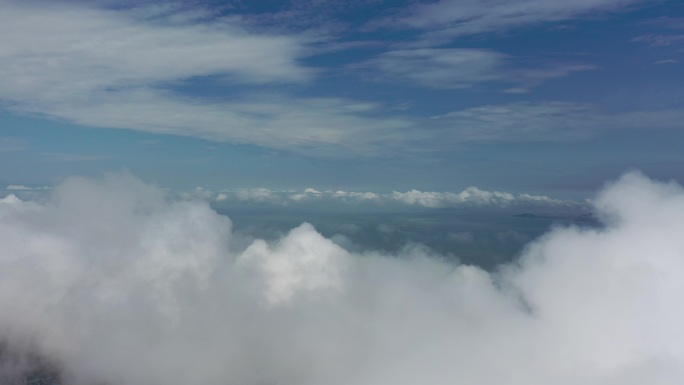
x=313 y=126
x=550 y=121
x=459 y=68
x=445 y=20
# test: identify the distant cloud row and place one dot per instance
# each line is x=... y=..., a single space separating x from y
x=471 y=196
x=20 y=187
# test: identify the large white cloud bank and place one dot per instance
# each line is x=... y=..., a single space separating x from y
x=116 y=284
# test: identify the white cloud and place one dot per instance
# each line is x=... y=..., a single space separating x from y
x=52 y=51
x=339 y=195
x=10 y=199
x=120 y=67
x=473 y=196
x=320 y=127
x=341 y=128
x=260 y=195
x=468 y=197
x=115 y=283
x=18 y=187
x=114 y=68
x=294 y=264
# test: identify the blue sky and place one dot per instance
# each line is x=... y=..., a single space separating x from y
x=542 y=97
x=156 y=156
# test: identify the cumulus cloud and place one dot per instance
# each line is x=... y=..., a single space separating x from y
x=10 y=199
x=113 y=282
x=338 y=195
x=257 y=195
x=471 y=196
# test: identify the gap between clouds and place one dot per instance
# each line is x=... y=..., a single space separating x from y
x=112 y=282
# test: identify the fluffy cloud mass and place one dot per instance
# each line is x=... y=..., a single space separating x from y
x=114 y=283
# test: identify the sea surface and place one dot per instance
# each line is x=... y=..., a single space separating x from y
x=481 y=237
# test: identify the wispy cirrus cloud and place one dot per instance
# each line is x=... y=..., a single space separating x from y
x=659 y=40
x=123 y=68
x=116 y=68
x=62 y=50
x=453 y=68
x=444 y=20
x=665 y=22
x=471 y=196
x=546 y=122
x=439 y=68
x=315 y=126
x=21 y=187
x=8 y=144
x=554 y=121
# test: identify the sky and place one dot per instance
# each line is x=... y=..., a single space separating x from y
x=317 y=192
x=549 y=98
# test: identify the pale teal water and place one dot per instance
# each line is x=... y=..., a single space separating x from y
x=484 y=238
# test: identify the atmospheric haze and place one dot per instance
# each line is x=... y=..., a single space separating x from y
x=115 y=283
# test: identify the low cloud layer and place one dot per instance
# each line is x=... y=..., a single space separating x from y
x=114 y=283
